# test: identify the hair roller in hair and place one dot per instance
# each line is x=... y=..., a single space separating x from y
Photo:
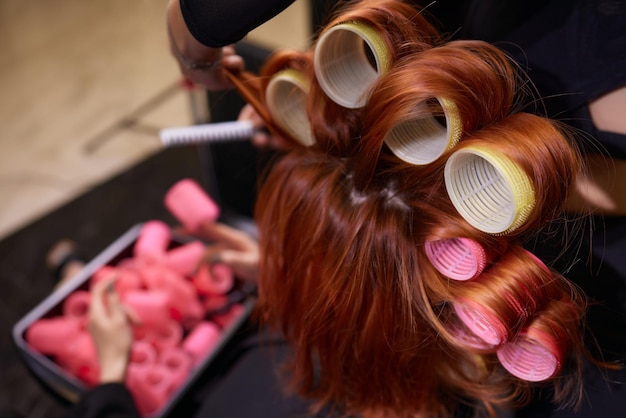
x=534 y=355
x=421 y=141
x=488 y=189
x=190 y=204
x=349 y=57
x=483 y=323
x=286 y=96
x=457 y=258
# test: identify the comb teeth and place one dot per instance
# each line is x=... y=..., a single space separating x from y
x=529 y=359
x=206 y=133
x=457 y=258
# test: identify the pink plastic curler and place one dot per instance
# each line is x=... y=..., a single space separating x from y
x=152 y=307
x=150 y=387
x=216 y=279
x=533 y=356
x=166 y=335
x=190 y=204
x=215 y=302
x=47 y=336
x=183 y=299
x=76 y=306
x=179 y=364
x=128 y=280
x=465 y=337
x=457 y=258
x=102 y=273
x=481 y=322
x=227 y=319
x=185 y=259
x=202 y=340
x=142 y=354
x=79 y=357
x=153 y=240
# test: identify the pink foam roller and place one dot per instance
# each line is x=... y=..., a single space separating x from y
x=179 y=364
x=202 y=340
x=152 y=307
x=532 y=356
x=185 y=259
x=215 y=302
x=183 y=299
x=103 y=273
x=166 y=335
x=142 y=354
x=457 y=258
x=153 y=240
x=481 y=322
x=76 y=306
x=49 y=335
x=79 y=357
x=227 y=319
x=190 y=204
x=217 y=279
x=128 y=280
x=150 y=387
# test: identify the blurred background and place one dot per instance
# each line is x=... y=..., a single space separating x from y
x=84 y=89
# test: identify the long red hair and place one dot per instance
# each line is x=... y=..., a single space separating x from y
x=343 y=225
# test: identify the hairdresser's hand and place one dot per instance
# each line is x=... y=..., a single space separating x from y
x=109 y=325
x=188 y=51
x=234 y=248
x=262 y=138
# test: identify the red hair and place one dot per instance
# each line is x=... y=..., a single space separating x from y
x=343 y=225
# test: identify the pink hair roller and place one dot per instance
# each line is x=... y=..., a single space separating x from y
x=49 y=335
x=216 y=279
x=79 y=357
x=457 y=258
x=153 y=240
x=533 y=356
x=183 y=299
x=76 y=306
x=185 y=259
x=150 y=387
x=166 y=335
x=215 y=302
x=127 y=279
x=190 y=204
x=481 y=322
x=227 y=319
x=179 y=364
x=152 y=307
x=202 y=340
x=142 y=354
x=102 y=273
x=465 y=337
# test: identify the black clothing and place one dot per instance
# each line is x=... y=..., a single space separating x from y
x=219 y=23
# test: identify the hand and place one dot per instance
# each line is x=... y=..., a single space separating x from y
x=110 y=327
x=234 y=248
x=186 y=49
x=261 y=138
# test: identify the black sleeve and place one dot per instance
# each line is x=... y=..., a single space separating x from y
x=216 y=23
x=111 y=400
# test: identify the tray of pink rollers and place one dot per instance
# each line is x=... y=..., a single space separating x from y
x=188 y=310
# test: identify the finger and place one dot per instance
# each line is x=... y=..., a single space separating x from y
x=97 y=306
x=131 y=315
x=228 y=236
